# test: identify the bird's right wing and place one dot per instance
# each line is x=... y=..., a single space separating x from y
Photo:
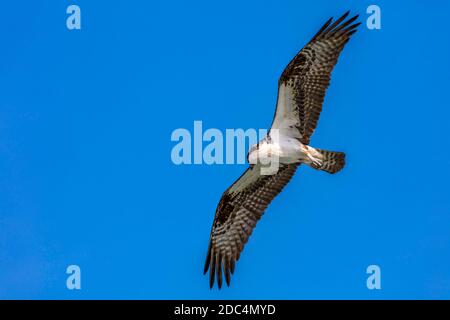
x=302 y=85
x=237 y=213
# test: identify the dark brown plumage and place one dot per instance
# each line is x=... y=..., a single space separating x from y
x=237 y=215
x=309 y=72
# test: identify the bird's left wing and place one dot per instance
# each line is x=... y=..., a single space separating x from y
x=237 y=213
x=302 y=85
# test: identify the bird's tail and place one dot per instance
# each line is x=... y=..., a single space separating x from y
x=332 y=161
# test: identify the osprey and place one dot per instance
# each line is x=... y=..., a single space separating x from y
x=301 y=91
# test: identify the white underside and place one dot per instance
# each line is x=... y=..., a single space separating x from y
x=286 y=150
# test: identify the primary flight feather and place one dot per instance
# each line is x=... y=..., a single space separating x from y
x=301 y=91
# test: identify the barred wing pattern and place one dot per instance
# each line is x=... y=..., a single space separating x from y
x=302 y=85
x=239 y=209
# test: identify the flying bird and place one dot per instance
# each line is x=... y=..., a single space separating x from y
x=301 y=91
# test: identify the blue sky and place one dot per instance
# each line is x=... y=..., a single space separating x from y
x=86 y=176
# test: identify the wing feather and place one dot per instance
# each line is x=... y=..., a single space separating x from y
x=237 y=214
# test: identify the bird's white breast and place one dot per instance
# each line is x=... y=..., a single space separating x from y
x=283 y=148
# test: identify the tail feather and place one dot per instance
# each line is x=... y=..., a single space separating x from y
x=332 y=162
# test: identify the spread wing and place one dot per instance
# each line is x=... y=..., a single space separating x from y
x=302 y=85
x=237 y=213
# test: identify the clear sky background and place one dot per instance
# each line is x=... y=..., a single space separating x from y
x=86 y=176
